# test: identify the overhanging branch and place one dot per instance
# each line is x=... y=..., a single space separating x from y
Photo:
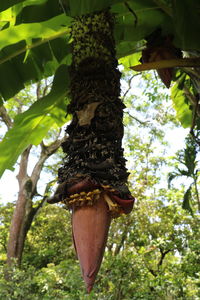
x=46 y=152
x=5 y=117
x=167 y=63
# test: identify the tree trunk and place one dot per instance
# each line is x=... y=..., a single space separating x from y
x=24 y=212
x=16 y=237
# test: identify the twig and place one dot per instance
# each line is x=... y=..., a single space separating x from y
x=5 y=117
x=129 y=85
x=138 y=120
x=38 y=90
x=196 y=139
x=163 y=254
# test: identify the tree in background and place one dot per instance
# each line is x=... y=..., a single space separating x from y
x=26 y=209
x=187 y=165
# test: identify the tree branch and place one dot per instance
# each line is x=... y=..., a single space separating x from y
x=163 y=254
x=123 y=238
x=195 y=137
x=5 y=117
x=38 y=90
x=22 y=174
x=154 y=273
x=20 y=102
x=34 y=210
x=46 y=152
x=129 y=85
x=144 y=123
x=191 y=97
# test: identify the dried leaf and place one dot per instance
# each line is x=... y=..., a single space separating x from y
x=86 y=115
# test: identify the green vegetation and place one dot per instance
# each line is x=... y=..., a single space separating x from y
x=153 y=253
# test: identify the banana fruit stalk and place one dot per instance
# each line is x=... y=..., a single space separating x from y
x=90 y=226
x=93 y=179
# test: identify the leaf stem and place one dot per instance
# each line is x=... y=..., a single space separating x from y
x=34 y=45
x=164 y=7
x=168 y=63
x=197 y=192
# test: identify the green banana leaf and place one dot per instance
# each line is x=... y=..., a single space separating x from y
x=31 y=126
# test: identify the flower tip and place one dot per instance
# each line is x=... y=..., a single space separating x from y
x=89 y=280
x=89 y=288
x=90 y=225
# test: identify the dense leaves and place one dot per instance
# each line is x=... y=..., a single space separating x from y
x=159 y=257
x=134 y=21
x=181 y=102
x=9 y=3
x=31 y=126
x=186 y=31
x=21 y=62
x=187 y=165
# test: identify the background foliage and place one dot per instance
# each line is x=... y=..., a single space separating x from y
x=152 y=253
